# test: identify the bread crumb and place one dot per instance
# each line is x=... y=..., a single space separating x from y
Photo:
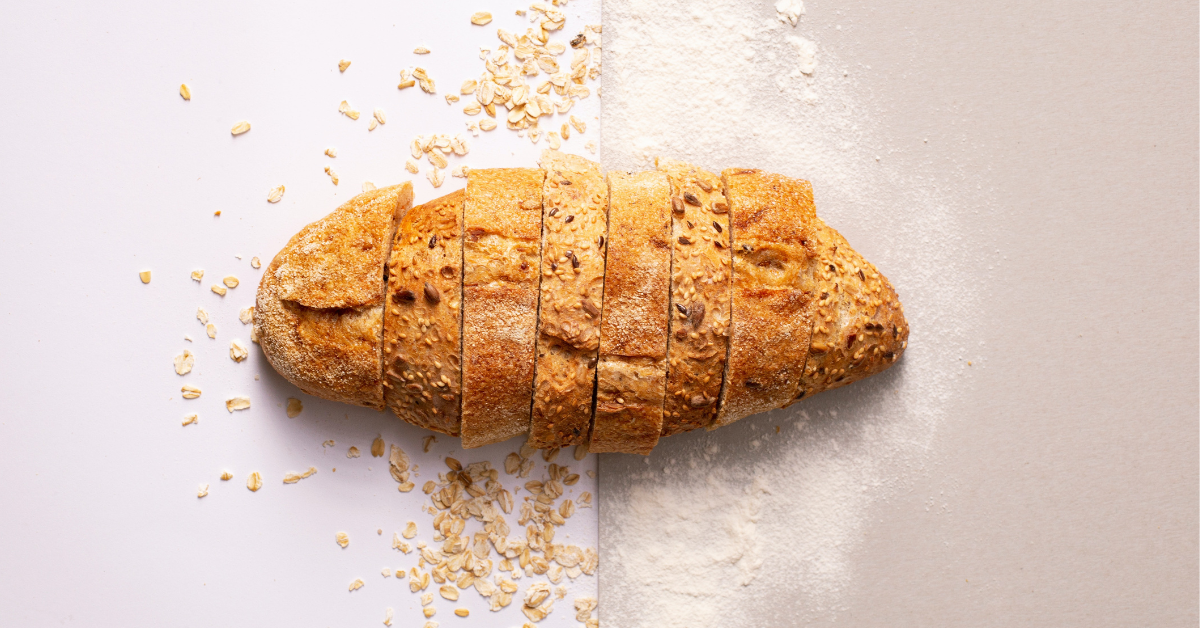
x=190 y=419
x=387 y=618
x=294 y=407
x=353 y=452
x=345 y=109
x=203 y=491
x=357 y=584
x=379 y=115
x=145 y=276
x=328 y=443
x=254 y=263
x=420 y=50
x=202 y=315
x=246 y=315
x=368 y=186
x=197 y=275
x=331 y=152
x=343 y=64
x=332 y=175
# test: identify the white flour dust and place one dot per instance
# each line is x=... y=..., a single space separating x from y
x=760 y=521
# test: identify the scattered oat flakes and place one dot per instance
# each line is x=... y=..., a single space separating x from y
x=420 y=50
x=184 y=362
x=238 y=351
x=226 y=476
x=379 y=115
x=246 y=315
x=345 y=109
x=276 y=194
x=332 y=175
x=449 y=592
x=240 y=127
x=191 y=418
x=368 y=186
x=357 y=584
x=479 y=18
x=428 y=611
x=185 y=92
x=435 y=177
x=211 y=330
x=145 y=276
x=387 y=618
x=328 y=443
x=219 y=289
x=353 y=452
x=462 y=612
x=331 y=152
x=410 y=530
x=377 y=447
x=237 y=403
x=190 y=392
x=343 y=64
x=203 y=492
x=406 y=83
x=292 y=478
x=411 y=167
x=487 y=124
x=230 y=282
x=197 y=275
x=591 y=146
x=579 y=125
x=581 y=451
x=428 y=442
x=254 y=482
x=255 y=262
x=342 y=539
x=371 y=126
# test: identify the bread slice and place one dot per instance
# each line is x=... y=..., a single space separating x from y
x=772 y=219
x=502 y=222
x=318 y=314
x=574 y=224
x=421 y=323
x=699 y=312
x=631 y=375
x=860 y=327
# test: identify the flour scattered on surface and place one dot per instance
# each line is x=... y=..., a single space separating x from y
x=746 y=525
x=789 y=11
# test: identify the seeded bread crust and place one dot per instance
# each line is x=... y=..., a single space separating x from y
x=313 y=318
x=502 y=237
x=699 y=313
x=860 y=329
x=574 y=224
x=772 y=219
x=421 y=325
x=631 y=376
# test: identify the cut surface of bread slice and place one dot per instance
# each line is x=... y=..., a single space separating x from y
x=574 y=225
x=421 y=325
x=631 y=374
x=859 y=328
x=502 y=231
x=772 y=219
x=699 y=313
x=318 y=314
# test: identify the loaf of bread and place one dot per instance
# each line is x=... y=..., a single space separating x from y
x=577 y=308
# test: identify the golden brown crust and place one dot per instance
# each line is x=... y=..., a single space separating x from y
x=421 y=326
x=859 y=329
x=633 y=332
x=331 y=352
x=338 y=260
x=502 y=237
x=699 y=313
x=772 y=219
x=574 y=223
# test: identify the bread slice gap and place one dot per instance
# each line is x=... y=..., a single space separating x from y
x=571 y=298
x=859 y=328
x=631 y=373
x=422 y=324
x=772 y=306
x=699 y=310
x=502 y=227
x=318 y=312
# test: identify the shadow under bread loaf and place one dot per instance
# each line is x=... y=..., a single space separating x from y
x=578 y=309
